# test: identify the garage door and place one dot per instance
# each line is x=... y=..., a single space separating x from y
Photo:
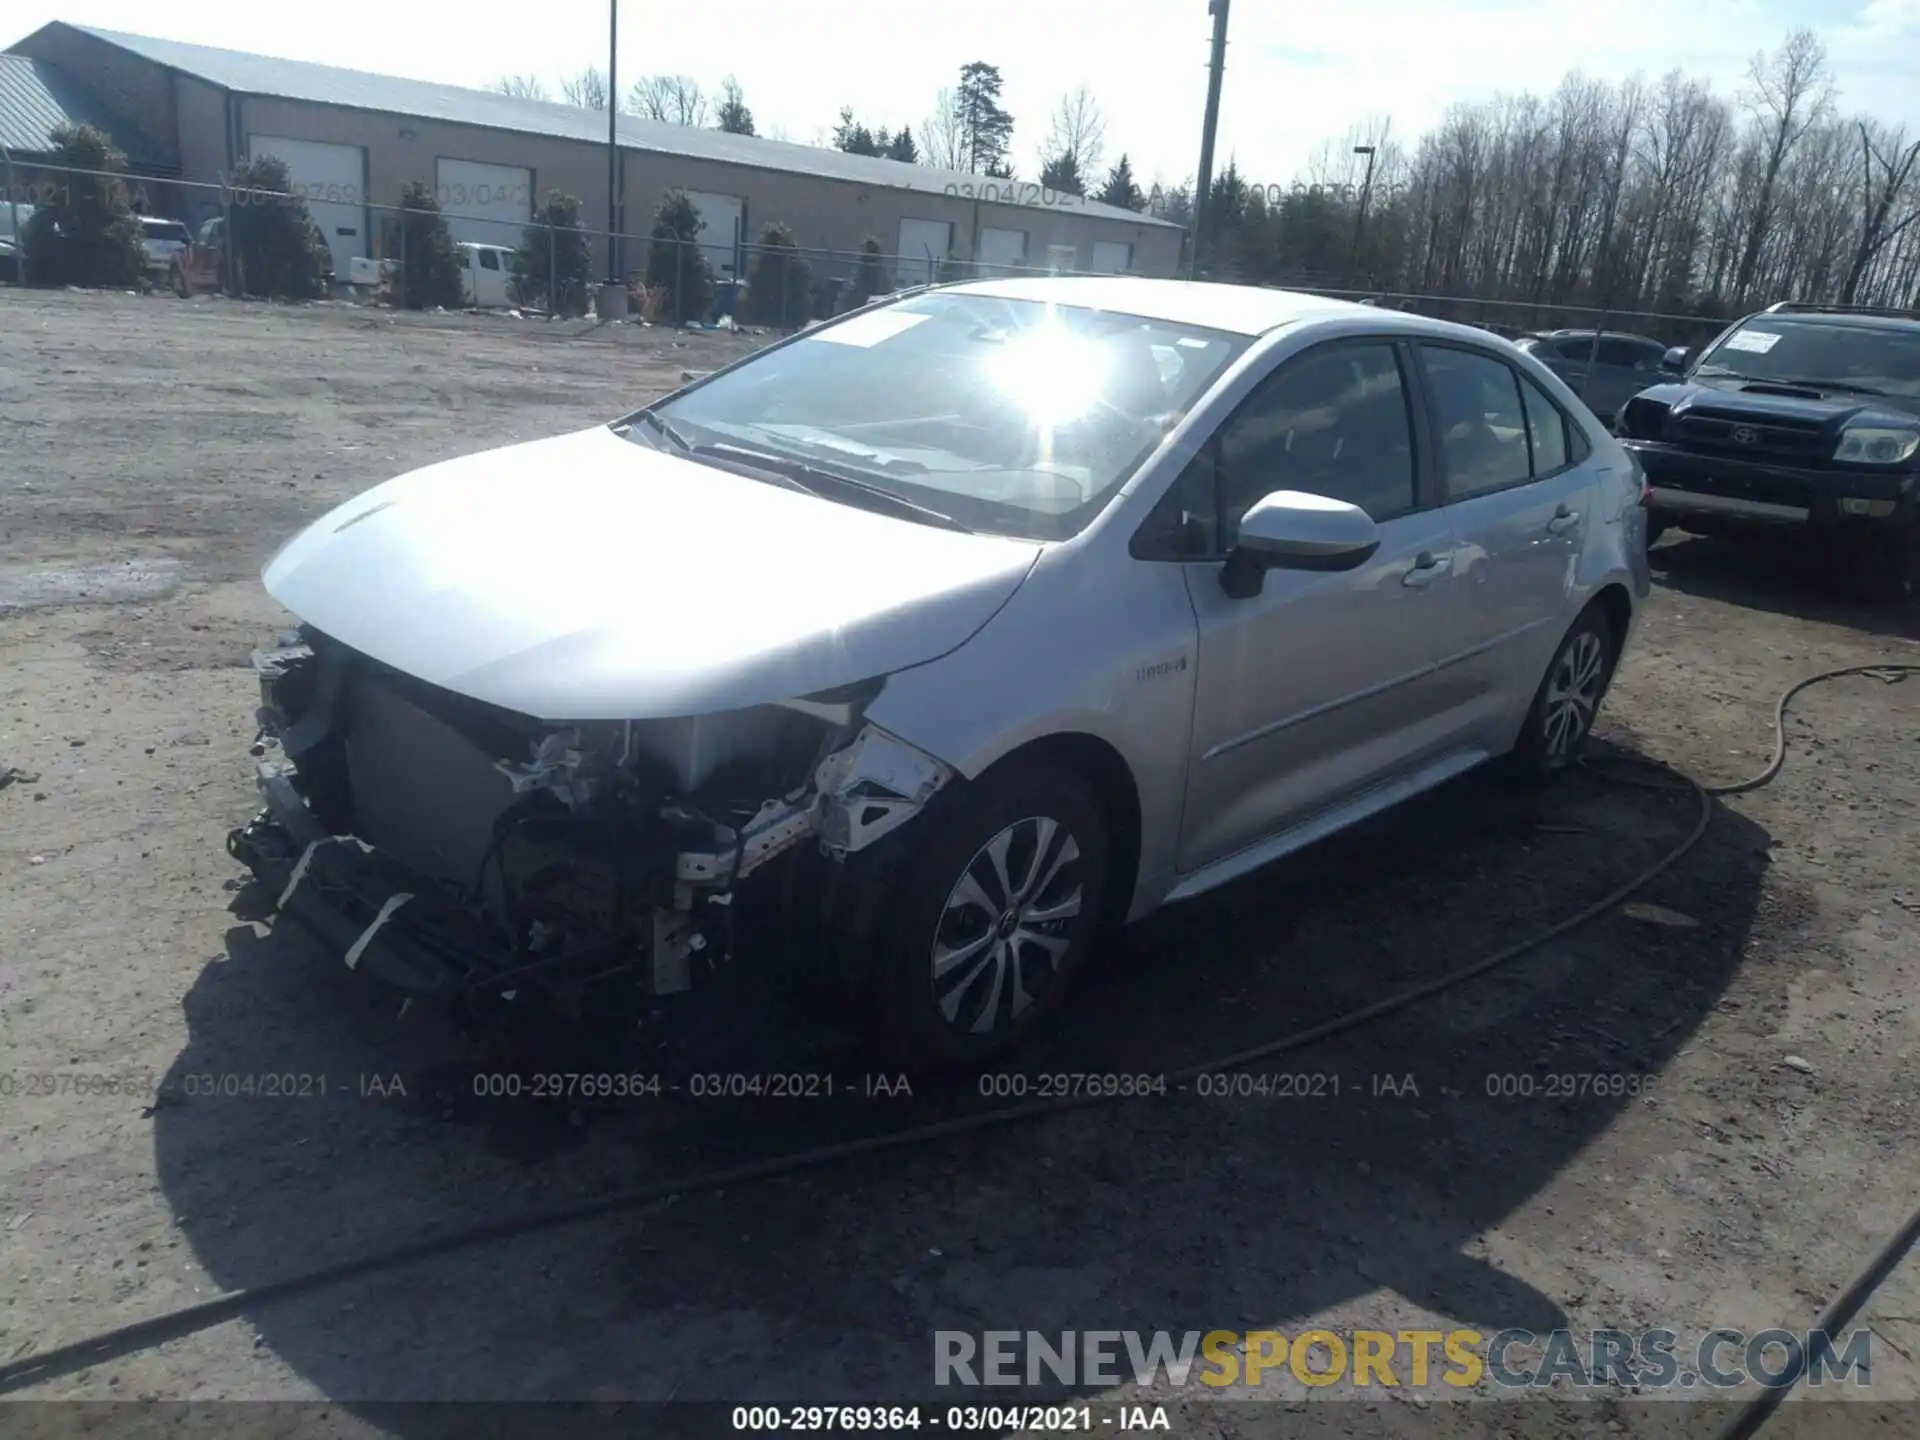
x=333 y=180
x=1112 y=257
x=1002 y=250
x=923 y=244
x=723 y=230
x=489 y=203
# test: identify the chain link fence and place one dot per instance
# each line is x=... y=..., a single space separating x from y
x=507 y=263
x=661 y=279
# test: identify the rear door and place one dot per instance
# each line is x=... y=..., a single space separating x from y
x=1518 y=496
x=1322 y=684
x=490 y=278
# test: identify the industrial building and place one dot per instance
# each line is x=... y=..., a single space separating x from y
x=189 y=113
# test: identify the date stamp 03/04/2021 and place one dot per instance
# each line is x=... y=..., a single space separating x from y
x=791 y=1085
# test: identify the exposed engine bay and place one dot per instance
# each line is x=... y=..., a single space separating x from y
x=448 y=845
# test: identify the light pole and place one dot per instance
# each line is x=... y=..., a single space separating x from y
x=1204 y=185
x=613 y=143
x=1360 y=215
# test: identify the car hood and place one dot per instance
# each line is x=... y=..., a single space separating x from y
x=590 y=577
x=1763 y=400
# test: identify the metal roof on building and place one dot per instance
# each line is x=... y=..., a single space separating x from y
x=427 y=100
x=35 y=97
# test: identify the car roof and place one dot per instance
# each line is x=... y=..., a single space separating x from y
x=1241 y=309
x=1583 y=334
x=1833 y=317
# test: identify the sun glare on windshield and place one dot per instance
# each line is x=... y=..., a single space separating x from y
x=1052 y=374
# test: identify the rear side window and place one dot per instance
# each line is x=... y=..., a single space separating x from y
x=1477 y=412
x=1622 y=353
x=1546 y=429
x=489 y=260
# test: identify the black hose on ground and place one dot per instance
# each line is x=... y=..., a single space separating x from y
x=144 y=1334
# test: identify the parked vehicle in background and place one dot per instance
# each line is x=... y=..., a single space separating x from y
x=1044 y=603
x=486 y=274
x=200 y=264
x=1605 y=370
x=1799 y=417
x=163 y=240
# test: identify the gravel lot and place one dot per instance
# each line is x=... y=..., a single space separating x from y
x=152 y=454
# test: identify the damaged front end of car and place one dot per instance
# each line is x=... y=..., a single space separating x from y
x=453 y=848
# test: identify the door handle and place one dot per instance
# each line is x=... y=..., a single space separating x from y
x=1563 y=520
x=1427 y=568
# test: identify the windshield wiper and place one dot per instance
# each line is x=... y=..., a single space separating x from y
x=672 y=436
x=801 y=476
x=1722 y=371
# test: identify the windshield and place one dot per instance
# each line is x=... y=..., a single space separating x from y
x=1880 y=360
x=1009 y=416
x=163 y=230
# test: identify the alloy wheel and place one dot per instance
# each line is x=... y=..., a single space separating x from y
x=1573 y=695
x=1007 y=924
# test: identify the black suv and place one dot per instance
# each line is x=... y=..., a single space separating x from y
x=1798 y=417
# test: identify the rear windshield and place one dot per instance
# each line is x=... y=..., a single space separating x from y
x=1871 y=358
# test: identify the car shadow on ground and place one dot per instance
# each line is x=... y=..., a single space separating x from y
x=1372 y=1161
x=1781 y=575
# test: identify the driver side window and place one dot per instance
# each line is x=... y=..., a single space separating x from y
x=1332 y=421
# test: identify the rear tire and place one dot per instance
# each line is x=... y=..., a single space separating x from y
x=1569 y=698
x=968 y=962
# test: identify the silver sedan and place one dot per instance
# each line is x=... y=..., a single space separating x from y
x=949 y=633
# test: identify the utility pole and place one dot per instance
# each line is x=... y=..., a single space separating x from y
x=1204 y=186
x=613 y=142
x=1360 y=214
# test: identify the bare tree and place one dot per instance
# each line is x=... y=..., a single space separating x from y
x=521 y=87
x=674 y=99
x=1078 y=131
x=1661 y=195
x=586 y=88
x=1883 y=186
x=1790 y=92
x=943 y=134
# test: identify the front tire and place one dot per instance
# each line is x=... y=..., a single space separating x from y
x=1568 y=700
x=995 y=914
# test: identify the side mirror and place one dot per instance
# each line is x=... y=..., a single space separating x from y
x=1674 y=362
x=1292 y=530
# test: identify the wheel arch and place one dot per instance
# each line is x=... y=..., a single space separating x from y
x=1100 y=763
x=1613 y=601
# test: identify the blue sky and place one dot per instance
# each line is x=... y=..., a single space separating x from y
x=1298 y=76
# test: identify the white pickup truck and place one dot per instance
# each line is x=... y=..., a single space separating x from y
x=486 y=274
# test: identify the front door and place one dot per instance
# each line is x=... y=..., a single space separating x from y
x=1320 y=686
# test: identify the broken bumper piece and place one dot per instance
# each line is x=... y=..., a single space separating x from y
x=367 y=911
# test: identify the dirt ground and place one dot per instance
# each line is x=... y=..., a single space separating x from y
x=153 y=452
